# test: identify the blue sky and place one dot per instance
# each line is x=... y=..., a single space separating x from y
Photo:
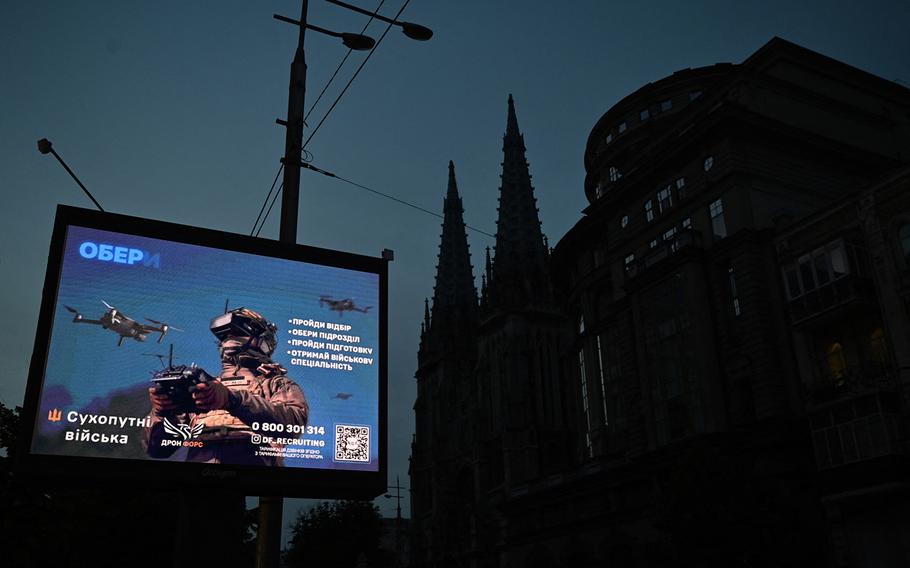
x=167 y=110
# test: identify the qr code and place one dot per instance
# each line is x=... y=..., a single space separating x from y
x=352 y=443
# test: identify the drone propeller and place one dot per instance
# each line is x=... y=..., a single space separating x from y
x=110 y=307
x=75 y=311
x=164 y=328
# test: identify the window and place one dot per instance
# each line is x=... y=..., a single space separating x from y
x=609 y=137
x=664 y=199
x=584 y=402
x=687 y=223
x=837 y=365
x=649 y=211
x=603 y=382
x=821 y=267
x=878 y=350
x=622 y=127
x=708 y=163
x=581 y=324
x=615 y=174
x=670 y=237
x=903 y=235
x=666 y=105
x=653 y=243
x=645 y=114
x=733 y=293
x=694 y=95
x=680 y=183
x=629 y=261
x=624 y=222
x=718 y=226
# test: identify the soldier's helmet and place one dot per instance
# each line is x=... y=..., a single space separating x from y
x=244 y=322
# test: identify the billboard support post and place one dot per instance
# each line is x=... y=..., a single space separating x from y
x=268 y=536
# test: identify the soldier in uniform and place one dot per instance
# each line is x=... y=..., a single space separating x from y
x=250 y=388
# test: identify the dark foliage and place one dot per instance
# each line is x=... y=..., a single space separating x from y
x=338 y=534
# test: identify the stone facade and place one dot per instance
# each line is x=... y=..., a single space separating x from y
x=711 y=367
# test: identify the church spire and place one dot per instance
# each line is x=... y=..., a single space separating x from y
x=519 y=273
x=455 y=291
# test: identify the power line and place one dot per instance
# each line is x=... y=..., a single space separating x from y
x=387 y=196
x=362 y=63
x=261 y=209
x=340 y=65
x=274 y=199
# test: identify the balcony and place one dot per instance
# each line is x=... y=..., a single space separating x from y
x=848 y=290
x=856 y=417
x=685 y=240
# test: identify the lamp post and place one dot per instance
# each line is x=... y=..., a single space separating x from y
x=270 y=507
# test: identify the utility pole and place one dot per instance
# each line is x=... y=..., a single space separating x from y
x=293 y=141
x=268 y=538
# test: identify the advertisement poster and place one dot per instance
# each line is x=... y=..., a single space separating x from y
x=253 y=360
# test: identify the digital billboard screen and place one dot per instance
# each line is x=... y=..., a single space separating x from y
x=168 y=350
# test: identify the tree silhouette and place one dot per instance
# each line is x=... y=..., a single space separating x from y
x=337 y=534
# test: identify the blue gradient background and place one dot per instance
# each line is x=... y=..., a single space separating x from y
x=187 y=290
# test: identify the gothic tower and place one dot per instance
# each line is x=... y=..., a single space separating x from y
x=523 y=422
x=442 y=450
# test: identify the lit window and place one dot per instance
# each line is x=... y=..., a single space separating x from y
x=624 y=222
x=629 y=260
x=680 y=183
x=649 y=211
x=653 y=243
x=609 y=137
x=709 y=163
x=666 y=105
x=903 y=234
x=733 y=293
x=622 y=127
x=581 y=324
x=836 y=362
x=687 y=223
x=664 y=199
x=716 y=209
x=694 y=95
x=645 y=114
x=615 y=174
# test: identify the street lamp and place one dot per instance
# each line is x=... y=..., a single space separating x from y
x=410 y=29
x=293 y=146
x=357 y=42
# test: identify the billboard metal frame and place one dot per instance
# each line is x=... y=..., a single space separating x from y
x=251 y=480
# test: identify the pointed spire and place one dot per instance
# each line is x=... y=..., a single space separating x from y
x=426 y=313
x=488 y=265
x=455 y=290
x=519 y=272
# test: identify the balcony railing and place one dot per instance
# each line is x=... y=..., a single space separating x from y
x=856 y=417
x=840 y=292
x=686 y=238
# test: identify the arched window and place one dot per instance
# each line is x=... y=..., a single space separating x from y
x=878 y=350
x=836 y=362
x=903 y=235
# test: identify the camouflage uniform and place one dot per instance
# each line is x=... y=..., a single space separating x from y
x=261 y=394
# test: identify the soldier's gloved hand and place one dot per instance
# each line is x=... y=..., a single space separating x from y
x=212 y=396
x=161 y=403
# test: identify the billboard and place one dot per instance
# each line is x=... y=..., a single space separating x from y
x=165 y=351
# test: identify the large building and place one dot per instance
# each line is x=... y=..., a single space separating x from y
x=712 y=367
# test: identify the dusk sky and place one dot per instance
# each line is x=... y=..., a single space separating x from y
x=167 y=110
